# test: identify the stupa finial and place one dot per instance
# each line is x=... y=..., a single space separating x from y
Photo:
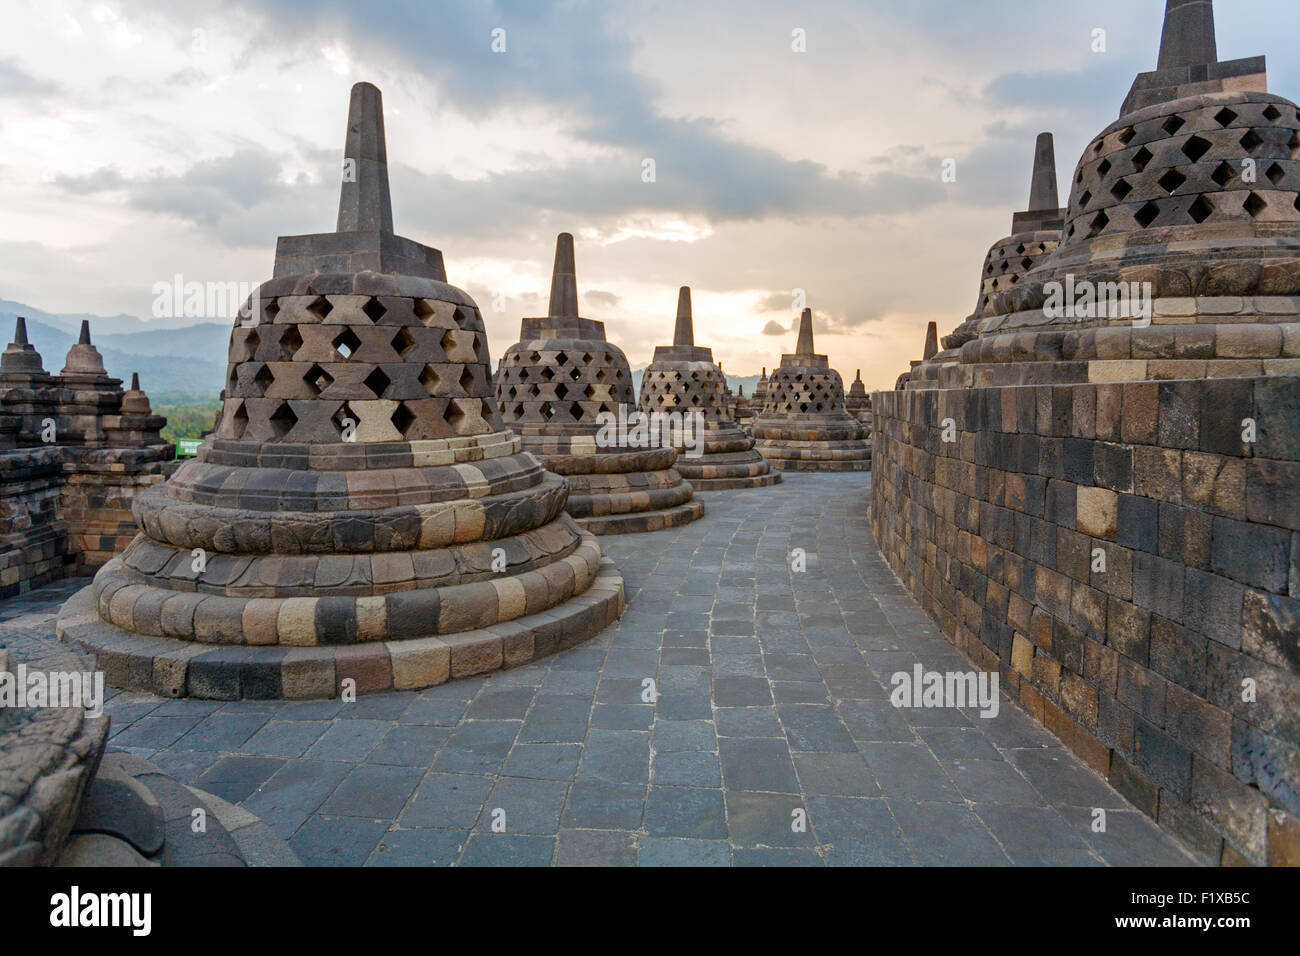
x=1188 y=35
x=805 y=343
x=20 y=331
x=931 y=341
x=684 y=333
x=564 y=280
x=365 y=203
x=1042 y=187
x=85 y=332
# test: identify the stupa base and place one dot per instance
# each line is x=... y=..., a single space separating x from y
x=638 y=521
x=817 y=455
x=172 y=667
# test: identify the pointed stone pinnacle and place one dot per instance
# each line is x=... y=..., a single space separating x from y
x=365 y=203
x=85 y=332
x=564 y=280
x=858 y=376
x=805 y=343
x=684 y=333
x=20 y=331
x=931 y=341
x=1188 y=35
x=135 y=381
x=1042 y=187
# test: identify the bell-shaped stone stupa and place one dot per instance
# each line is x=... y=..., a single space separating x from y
x=804 y=425
x=360 y=517
x=683 y=378
x=559 y=387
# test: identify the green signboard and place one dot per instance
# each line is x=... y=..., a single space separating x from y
x=188 y=447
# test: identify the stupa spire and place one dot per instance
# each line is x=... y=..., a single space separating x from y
x=1188 y=35
x=684 y=333
x=85 y=332
x=805 y=344
x=365 y=203
x=564 y=280
x=931 y=341
x=1042 y=187
x=20 y=331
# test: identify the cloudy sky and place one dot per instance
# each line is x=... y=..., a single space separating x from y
x=143 y=139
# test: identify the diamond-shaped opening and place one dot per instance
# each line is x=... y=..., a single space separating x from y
x=1121 y=189
x=283 y=420
x=239 y=421
x=377 y=382
x=600 y=375
x=344 y=418
x=548 y=373
x=462 y=315
x=1173 y=124
x=467 y=381
x=589 y=392
x=402 y=342
x=264 y=378
x=1126 y=136
x=1251 y=141
x=1026 y=262
x=518 y=412
x=423 y=310
x=1085 y=199
x=1100 y=222
x=1196 y=147
x=1005 y=265
x=1271 y=113
x=575 y=409
x=1097 y=146
x=547 y=412
x=1147 y=214
x=1254 y=205
x=318 y=379
x=1223 y=173
x=575 y=373
x=1200 y=210
x=1225 y=117
x=402 y=418
x=1171 y=180
x=1141 y=158
x=1020 y=249
x=346 y=343
x=290 y=343
x=1275 y=174
x=1103 y=168
x=321 y=307
x=561 y=358
x=374 y=309
x=561 y=390
x=272 y=310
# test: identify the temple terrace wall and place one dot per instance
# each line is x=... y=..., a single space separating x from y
x=1174 y=672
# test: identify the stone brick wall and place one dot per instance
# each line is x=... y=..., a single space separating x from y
x=1144 y=668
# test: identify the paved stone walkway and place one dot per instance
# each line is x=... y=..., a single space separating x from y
x=773 y=707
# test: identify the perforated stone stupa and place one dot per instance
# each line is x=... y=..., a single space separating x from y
x=360 y=517
x=804 y=425
x=683 y=378
x=1113 y=520
x=552 y=385
x=857 y=402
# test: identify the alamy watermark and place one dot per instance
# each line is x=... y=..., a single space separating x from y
x=637 y=429
x=35 y=688
x=920 y=688
x=204 y=300
x=1098 y=300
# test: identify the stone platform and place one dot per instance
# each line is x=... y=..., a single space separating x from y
x=772 y=696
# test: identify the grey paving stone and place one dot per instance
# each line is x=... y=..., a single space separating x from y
x=992 y=781
x=1064 y=781
x=765 y=819
x=954 y=743
x=412 y=746
x=511 y=703
x=659 y=851
x=748 y=722
x=508 y=849
x=757 y=763
x=682 y=812
x=418 y=848
x=348 y=740
x=596 y=848
x=857 y=832
x=529 y=806
x=682 y=735
x=946 y=834
x=909 y=771
x=284 y=738
x=687 y=769
x=1130 y=838
x=544 y=761
x=1036 y=836
x=616 y=757
x=557 y=718
x=622 y=716
x=448 y=801
x=433 y=712
x=835 y=774
x=154 y=733
x=235 y=778
x=294 y=792
x=604 y=806
x=813 y=728
x=776 y=856
x=337 y=841
x=478 y=746
x=373 y=792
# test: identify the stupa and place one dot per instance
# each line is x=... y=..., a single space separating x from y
x=683 y=378
x=857 y=402
x=760 y=392
x=360 y=518
x=557 y=387
x=1093 y=490
x=803 y=425
x=1035 y=233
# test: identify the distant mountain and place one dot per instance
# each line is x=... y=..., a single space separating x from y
x=176 y=364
